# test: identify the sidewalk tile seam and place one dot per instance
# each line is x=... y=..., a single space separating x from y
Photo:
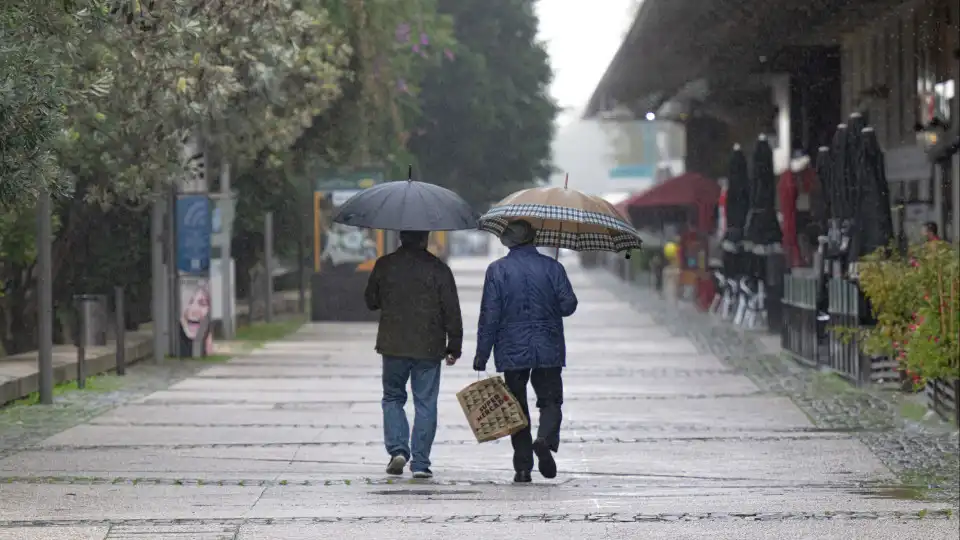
x=503 y=518
x=907 y=450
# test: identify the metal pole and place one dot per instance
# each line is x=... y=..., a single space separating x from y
x=225 y=255
x=81 y=302
x=173 y=283
x=301 y=274
x=45 y=299
x=158 y=278
x=121 y=332
x=268 y=263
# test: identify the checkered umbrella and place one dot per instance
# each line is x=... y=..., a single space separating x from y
x=564 y=218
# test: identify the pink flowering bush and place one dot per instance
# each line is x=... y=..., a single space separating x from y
x=916 y=300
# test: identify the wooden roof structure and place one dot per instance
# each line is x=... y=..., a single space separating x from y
x=673 y=42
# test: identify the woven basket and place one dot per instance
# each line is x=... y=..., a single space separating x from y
x=491 y=409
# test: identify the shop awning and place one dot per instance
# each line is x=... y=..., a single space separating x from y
x=688 y=190
x=723 y=37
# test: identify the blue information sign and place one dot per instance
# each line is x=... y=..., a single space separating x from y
x=194 y=231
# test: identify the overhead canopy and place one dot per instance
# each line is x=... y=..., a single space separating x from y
x=688 y=190
x=718 y=37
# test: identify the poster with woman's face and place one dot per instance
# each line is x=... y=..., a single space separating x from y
x=194 y=304
x=195 y=312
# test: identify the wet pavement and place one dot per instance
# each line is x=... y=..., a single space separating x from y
x=665 y=436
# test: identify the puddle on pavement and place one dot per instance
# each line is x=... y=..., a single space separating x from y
x=903 y=493
x=424 y=492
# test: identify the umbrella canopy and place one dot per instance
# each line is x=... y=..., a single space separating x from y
x=763 y=228
x=738 y=194
x=407 y=205
x=874 y=216
x=564 y=218
x=824 y=168
x=840 y=204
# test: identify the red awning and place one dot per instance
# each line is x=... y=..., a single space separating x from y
x=686 y=190
x=689 y=189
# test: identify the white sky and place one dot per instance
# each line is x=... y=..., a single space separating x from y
x=581 y=37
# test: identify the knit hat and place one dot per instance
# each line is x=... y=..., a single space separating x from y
x=518 y=233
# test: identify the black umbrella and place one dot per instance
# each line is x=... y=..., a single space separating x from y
x=854 y=162
x=763 y=228
x=738 y=204
x=874 y=216
x=738 y=192
x=407 y=205
x=841 y=207
x=824 y=168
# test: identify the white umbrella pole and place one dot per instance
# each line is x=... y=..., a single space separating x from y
x=566 y=182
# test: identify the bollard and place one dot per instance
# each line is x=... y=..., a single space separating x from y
x=121 y=332
x=81 y=342
x=268 y=265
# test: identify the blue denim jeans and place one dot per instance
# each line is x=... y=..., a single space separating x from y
x=424 y=376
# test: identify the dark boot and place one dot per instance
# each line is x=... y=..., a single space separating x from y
x=545 y=461
x=522 y=477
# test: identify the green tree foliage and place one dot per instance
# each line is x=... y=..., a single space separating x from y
x=30 y=97
x=98 y=96
x=393 y=43
x=487 y=120
x=245 y=76
x=114 y=88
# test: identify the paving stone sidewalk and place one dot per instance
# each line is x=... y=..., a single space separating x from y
x=673 y=429
x=925 y=456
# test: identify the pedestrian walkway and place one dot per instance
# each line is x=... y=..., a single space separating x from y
x=660 y=441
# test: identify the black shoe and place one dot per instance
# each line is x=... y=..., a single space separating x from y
x=522 y=477
x=545 y=462
x=395 y=467
x=423 y=474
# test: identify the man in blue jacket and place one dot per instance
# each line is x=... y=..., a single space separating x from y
x=525 y=297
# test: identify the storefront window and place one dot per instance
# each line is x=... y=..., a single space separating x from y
x=943 y=95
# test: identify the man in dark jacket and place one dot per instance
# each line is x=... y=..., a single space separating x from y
x=525 y=297
x=420 y=325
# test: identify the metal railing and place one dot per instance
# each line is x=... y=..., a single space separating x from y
x=944 y=399
x=801 y=333
x=847 y=309
x=831 y=341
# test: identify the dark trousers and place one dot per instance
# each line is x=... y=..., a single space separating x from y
x=548 y=385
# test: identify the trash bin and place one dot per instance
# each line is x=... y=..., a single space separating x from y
x=92 y=308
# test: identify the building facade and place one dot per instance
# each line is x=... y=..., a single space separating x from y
x=902 y=70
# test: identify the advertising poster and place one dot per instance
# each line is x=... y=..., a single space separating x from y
x=194 y=232
x=342 y=244
x=195 y=226
x=343 y=256
x=196 y=339
x=341 y=247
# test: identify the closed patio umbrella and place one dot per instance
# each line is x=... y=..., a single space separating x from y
x=737 y=206
x=738 y=195
x=875 y=217
x=762 y=228
x=824 y=168
x=841 y=206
